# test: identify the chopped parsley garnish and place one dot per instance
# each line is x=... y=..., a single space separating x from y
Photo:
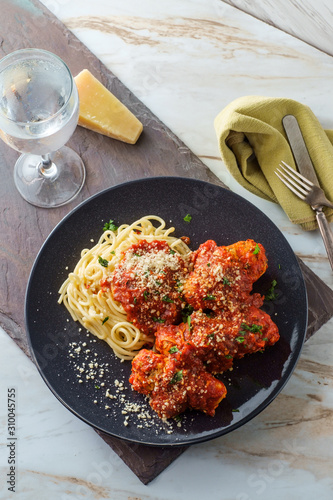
x=158 y=320
x=135 y=300
x=189 y=322
x=253 y=328
x=110 y=226
x=97 y=386
x=188 y=218
x=172 y=251
x=226 y=281
x=209 y=297
x=158 y=283
x=173 y=349
x=137 y=254
x=186 y=312
x=113 y=252
x=228 y=356
x=177 y=377
x=236 y=410
x=145 y=295
x=103 y=262
x=208 y=264
x=167 y=299
x=256 y=250
x=210 y=335
x=105 y=320
x=240 y=340
x=271 y=294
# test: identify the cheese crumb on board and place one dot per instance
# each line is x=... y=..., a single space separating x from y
x=102 y=112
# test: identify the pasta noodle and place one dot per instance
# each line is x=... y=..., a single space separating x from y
x=95 y=308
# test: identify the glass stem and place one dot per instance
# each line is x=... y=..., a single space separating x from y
x=47 y=168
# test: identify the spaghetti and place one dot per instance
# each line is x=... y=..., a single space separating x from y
x=92 y=304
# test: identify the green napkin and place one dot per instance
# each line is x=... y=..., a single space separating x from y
x=252 y=143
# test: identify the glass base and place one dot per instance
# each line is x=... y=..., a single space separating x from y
x=52 y=187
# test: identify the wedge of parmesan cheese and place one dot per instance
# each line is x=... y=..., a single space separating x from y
x=102 y=112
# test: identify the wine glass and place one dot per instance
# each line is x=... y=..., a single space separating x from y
x=39 y=109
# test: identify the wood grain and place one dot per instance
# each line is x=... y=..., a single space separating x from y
x=311 y=22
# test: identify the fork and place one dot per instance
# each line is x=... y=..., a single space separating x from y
x=314 y=196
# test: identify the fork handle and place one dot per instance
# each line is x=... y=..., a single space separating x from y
x=326 y=233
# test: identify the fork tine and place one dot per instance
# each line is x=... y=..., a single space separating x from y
x=295 y=172
x=298 y=184
x=286 y=183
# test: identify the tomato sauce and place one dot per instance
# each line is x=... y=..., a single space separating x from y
x=148 y=282
x=202 y=313
x=223 y=276
x=218 y=340
x=176 y=382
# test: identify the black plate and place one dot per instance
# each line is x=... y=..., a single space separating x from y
x=217 y=214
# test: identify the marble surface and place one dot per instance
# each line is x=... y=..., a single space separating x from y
x=186 y=61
